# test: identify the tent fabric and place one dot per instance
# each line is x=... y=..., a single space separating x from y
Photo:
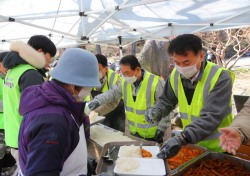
x=72 y=22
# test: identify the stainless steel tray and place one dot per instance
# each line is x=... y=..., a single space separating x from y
x=191 y=146
x=210 y=155
x=111 y=130
x=108 y=167
x=98 y=120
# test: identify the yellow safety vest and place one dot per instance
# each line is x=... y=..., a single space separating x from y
x=112 y=79
x=135 y=110
x=190 y=113
x=1 y=98
x=11 y=99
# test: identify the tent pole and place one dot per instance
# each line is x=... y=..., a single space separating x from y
x=106 y=19
x=39 y=27
x=233 y=16
x=98 y=49
x=120 y=45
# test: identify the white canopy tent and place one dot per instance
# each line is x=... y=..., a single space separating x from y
x=73 y=22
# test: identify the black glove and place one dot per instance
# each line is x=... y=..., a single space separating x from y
x=159 y=136
x=92 y=164
x=93 y=105
x=171 y=147
x=152 y=115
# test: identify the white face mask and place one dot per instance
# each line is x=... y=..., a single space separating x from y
x=100 y=75
x=84 y=93
x=130 y=80
x=188 y=71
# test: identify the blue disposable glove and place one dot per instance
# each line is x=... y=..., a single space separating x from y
x=171 y=147
x=93 y=105
x=152 y=115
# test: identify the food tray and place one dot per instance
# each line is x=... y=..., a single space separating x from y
x=211 y=155
x=191 y=146
x=145 y=168
x=108 y=136
x=154 y=150
x=108 y=167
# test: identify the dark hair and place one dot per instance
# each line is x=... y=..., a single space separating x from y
x=44 y=43
x=102 y=60
x=2 y=55
x=183 y=43
x=130 y=60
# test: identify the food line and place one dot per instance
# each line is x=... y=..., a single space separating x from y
x=188 y=158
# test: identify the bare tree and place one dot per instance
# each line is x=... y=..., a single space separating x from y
x=229 y=45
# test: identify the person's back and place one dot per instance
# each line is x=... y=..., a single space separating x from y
x=51 y=137
x=2 y=75
x=23 y=63
x=7 y=162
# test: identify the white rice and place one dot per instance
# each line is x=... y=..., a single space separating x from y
x=130 y=151
x=127 y=165
x=102 y=135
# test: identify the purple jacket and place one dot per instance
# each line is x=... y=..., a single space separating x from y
x=48 y=132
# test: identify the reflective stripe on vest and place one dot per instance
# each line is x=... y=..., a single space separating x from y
x=214 y=69
x=191 y=113
x=145 y=126
x=112 y=78
x=135 y=110
x=194 y=118
x=139 y=112
x=11 y=98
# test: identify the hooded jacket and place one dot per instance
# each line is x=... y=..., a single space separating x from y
x=49 y=130
x=21 y=62
x=22 y=53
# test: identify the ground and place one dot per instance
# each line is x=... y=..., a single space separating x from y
x=242 y=81
x=242 y=78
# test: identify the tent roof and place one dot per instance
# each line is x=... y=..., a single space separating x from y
x=72 y=22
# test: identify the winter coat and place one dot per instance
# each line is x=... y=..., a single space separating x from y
x=242 y=121
x=49 y=130
x=22 y=63
x=22 y=53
